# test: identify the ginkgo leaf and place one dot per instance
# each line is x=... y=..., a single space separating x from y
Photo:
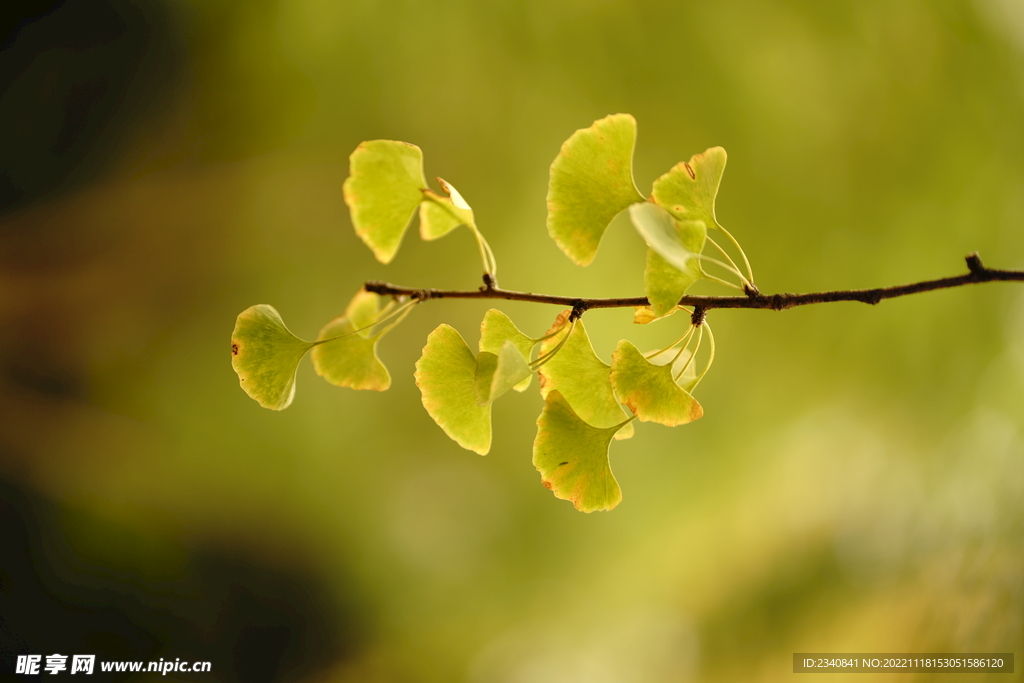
x=349 y=360
x=265 y=355
x=689 y=189
x=591 y=181
x=649 y=390
x=664 y=234
x=440 y=215
x=581 y=377
x=572 y=457
x=446 y=376
x=644 y=315
x=382 y=191
x=496 y=329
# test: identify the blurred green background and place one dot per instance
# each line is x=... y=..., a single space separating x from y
x=856 y=484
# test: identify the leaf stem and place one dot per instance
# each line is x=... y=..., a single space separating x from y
x=685 y=336
x=696 y=348
x=541 y=360
x=404 y=308
x=735 y=243
x=711 y=356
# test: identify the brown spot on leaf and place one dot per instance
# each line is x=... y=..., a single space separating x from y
x=689 y=169
x=234 y=349
x=563 y=463
x=547 y=485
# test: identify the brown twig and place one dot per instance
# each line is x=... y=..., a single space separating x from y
x=977 y=273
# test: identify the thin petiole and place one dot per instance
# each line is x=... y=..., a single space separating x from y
x=723 y=265
x=746 y=261
x=700 y=338
x=401 y=313
x=685 y=337
x=724 y=253
x=401 y=310
x=536 y=364
x=549 y=336
x=711 y=356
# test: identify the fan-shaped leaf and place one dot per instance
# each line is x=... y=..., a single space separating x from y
x=572 y=457
x=496 y=329
x=382 y=191
x=446 y=376
x=689 y=189
x=440 y=215
x=582 y=378
x=591 y=180
x=649 y=389
x=265 y=355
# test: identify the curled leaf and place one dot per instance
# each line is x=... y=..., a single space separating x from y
x=572 y=457
x=382 y=191
x=581 y=378
x=440 y=215
x=266 y=355
x=649 y=390
x=446 y=374
x=591 y=181
x=665 y=236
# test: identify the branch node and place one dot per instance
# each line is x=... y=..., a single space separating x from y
x=751 y=290
x=974 y=264
x=698 y=315
x=778 y=302
x=489 y=283
x=422 y=295
x=579 y=307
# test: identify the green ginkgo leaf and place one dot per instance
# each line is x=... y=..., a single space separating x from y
x=665 y=284
x=664 y=234
x=572 y=457
x=446 y=375
x=496 y=329
x=591 y=181
x=649 y=390
x=581 y=377
x=266 y=355
x=384 y=187
x=689 y=189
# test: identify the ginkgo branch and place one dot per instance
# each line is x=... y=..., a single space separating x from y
x=977 y=274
